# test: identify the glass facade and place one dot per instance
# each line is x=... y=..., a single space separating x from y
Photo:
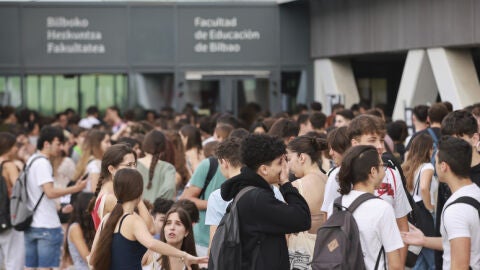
x=50 y=94
x=10 y=91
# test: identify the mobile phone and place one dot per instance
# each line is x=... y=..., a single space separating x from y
x=84 y=177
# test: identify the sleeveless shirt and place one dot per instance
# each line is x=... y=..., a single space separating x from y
x=126 y=254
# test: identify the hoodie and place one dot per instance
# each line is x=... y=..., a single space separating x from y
x=264 y=220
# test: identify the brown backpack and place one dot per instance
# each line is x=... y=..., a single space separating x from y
x=338 y=240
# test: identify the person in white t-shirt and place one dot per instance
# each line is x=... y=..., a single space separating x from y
x=44 y=238
x=371 y=130
x=362 y=170
x=460 y=222
x=91 y=119
x=338 y=142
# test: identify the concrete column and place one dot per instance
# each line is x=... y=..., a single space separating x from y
x=450 y=72
x=455 y=75
x=334 y=77
x=417 y=85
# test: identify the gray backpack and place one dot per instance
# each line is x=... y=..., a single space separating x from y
x=226 y=248
x=338 y=240
x=20 y=215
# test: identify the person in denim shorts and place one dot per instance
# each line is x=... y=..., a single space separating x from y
x=43 y=240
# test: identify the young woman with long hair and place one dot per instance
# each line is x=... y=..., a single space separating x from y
x=418 y=169
x=103 y=201
x=192 y=141
x=361 y=171
x=80 y=233
x=12 y=246
x=124 y=238
x=94 y=146
x=177 y=231
x=158 y=175
x=302 y=155
x=182 y=173
x=421 y=183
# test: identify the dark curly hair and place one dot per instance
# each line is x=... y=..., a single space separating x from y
x=259 y=149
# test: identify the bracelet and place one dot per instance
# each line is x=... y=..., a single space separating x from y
x=183 y=256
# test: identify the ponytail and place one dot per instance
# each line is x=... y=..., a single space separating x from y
x=151 y=171
x=91 y=205
x=101 y=258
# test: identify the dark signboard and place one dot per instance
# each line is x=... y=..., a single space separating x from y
x=74 y=36
x=9 y=36
x=213 y=35
x=68 y=37
x=152 y=38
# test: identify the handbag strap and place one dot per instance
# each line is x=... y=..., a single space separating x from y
x=417 y=183
x=377 y=263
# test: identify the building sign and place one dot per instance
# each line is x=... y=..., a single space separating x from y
x=75 y=36
x=219 y=35
x=115 y=36
x=222 y=34
x=72 y=36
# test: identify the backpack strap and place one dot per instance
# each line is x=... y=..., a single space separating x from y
x=1 y=170
x=394 y=180
x=212 y=169
x=242 y=192
x=394 y=164
x=26 y=177
x=337 y=205
x=330 y=171
x=467 y=200
x=377 y=263
x=464 y=199
x=361 y=199
x=256 y=250
x=433 y=135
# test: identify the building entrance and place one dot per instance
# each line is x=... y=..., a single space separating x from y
x=212 y=92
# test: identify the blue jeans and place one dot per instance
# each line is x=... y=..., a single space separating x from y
x=425 y=260
x=43 y=247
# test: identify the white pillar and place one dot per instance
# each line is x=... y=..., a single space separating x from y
x=455 y=75
x=417 y=85
x=334 y=77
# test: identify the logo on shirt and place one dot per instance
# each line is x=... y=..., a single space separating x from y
x=385 y=188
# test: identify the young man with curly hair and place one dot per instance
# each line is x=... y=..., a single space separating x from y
x=264 y=220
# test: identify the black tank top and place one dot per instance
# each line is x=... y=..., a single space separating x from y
x=126 y=254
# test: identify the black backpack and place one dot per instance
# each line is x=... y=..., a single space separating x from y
x=4 y=203
x=226 y=248
x=338 y=240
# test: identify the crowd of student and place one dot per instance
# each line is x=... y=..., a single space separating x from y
x=122 y=193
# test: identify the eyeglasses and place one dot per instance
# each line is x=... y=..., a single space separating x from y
x=130 y=165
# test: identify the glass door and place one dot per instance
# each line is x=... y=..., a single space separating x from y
x=227 y=93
